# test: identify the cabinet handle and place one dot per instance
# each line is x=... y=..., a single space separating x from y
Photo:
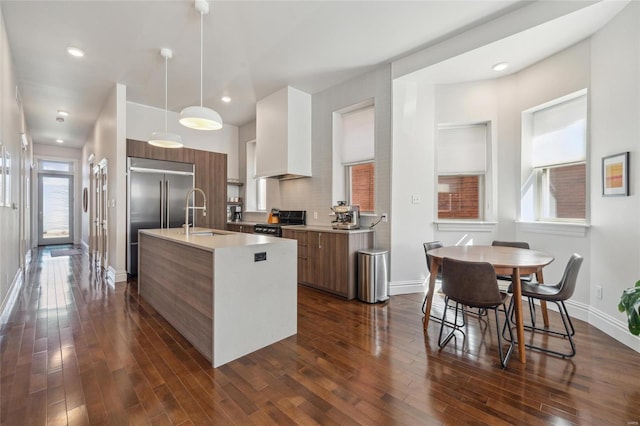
x=319 y=243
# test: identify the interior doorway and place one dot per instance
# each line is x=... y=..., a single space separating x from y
x=55 y=203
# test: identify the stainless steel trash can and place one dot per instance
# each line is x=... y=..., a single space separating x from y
x=372 y=275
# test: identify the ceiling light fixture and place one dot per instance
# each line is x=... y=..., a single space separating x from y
x=200 y=117
x=500 y=66
x=63 y=113
x=226 y=99
x=74 y=51
x=165 y=139
x=59 y=141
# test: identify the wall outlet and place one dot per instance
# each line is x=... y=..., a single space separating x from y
x=599 y=292
x=315 y=215
x=416 y=199
x=385 y=218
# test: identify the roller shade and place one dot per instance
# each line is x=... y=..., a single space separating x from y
x=560 y=133
x=462 y=149
x=358 y=136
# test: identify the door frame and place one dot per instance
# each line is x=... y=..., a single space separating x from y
x=71 y=224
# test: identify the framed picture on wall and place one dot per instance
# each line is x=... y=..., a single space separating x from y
x=615 y=175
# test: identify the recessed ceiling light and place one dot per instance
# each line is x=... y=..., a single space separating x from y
x=59 y=141
x=226 y=99
x=74 y=51
x=63 y=113
x=60 y=119
x=500 y=66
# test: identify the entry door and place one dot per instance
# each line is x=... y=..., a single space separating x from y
x=55 y=203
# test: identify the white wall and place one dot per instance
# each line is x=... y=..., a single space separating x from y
x=15 y=228
x=142 y=120
x=107 y=141
x=615 y=128
x=411 y=174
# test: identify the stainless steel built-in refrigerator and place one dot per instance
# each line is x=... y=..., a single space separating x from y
x=156 y=197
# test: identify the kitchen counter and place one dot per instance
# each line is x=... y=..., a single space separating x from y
x=227 y=293
x=320 y=228
x=220 y=239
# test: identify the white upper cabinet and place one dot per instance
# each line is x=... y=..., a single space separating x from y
x=283 y=135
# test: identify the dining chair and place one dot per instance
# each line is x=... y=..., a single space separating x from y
x=514 y=244
x=557 y=294
x=523 y=278
x=429 y=246
x=473 y=284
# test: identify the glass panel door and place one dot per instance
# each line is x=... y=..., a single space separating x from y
x=55 y=202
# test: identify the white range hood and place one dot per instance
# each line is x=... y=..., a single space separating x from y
x=283 y=135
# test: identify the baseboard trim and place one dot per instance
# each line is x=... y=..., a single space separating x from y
x=9 y=301
x=406 y=287
x=614 y=327
x=114 y=276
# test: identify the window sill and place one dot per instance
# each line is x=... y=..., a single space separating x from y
x=464 y=226
x=555 y=228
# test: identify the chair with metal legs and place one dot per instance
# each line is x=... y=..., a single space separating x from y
x=430 y=246
x=473 y=284
x=557 y=294
x=525 y=278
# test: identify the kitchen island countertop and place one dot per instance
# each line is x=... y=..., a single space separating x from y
x=220 y=238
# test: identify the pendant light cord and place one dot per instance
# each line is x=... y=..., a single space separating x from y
x=166 y=72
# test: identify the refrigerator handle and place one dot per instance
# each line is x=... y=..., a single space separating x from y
x=161 y=205
x=166 y=201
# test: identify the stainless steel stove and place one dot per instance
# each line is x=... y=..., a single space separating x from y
x=286 y=217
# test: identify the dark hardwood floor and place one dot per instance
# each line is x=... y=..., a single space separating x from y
x=77 y=351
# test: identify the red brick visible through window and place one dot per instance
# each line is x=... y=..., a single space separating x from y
x=462 y=200
x=362 y=178
x=568 y=188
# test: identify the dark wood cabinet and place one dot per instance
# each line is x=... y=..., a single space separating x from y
x=210 y=176
x=237 y=227
x=329 y=260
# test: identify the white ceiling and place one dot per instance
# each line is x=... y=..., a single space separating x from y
x=252 y=48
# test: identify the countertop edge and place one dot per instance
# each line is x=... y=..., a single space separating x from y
x=223 y=240
x=321 y=228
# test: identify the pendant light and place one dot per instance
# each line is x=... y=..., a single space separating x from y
x=200 y=117
x=165 y=139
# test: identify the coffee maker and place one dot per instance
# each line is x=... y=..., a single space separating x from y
x=347 y=217
x=234 y=213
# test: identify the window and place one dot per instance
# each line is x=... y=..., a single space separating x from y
x=55 y=166
x=360 y=185
x=256 y=189
x=461 y=163
x=354 y=148
x=557 y=143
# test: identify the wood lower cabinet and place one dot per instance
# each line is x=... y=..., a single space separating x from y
x=329 y=260
x=237 y=227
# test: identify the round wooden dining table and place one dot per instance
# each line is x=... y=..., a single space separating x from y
x=506 y=261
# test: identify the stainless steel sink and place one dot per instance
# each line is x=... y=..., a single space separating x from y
x=203 y=233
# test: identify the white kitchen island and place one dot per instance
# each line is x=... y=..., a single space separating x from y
x=228 y=294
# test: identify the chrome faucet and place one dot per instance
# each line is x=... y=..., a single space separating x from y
x=187 y=207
